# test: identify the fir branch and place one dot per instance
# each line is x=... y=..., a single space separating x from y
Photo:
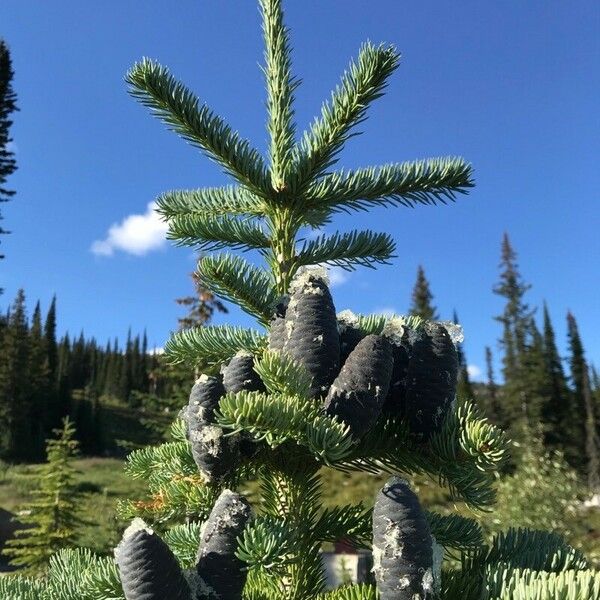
x=183 y=541
x=532 y=549
x=266 y=544
x=351 y=592
x=544 y=557
x=350 y=522
x=178 y=431
x=161 y=463
x=466 y=432
x=280 y=91
x=347 y=250
x=277 y=419
x=236 y=280
x=525 y=584
x=363 y=82
x=215 y=201
x=15 y=587
x=155 y=87
x=404 y=184
x=208 y=232
x=212 y=345
x=282 y=375
x=455 y=531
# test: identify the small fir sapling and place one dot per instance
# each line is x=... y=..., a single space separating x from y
x=431 y=380
x=358 y=392
x=214 y=453
x=403 y=548
x=311 y=330
x=220 y=574
x=148 y=568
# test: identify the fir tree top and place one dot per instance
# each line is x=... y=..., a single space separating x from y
x=273 y=197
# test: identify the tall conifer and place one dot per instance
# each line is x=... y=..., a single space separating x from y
x=517 y=328
x=555 y=413
x=8 y=104
x=15 y=392
x=39 y=382
x=422 y=298
x=582 y=409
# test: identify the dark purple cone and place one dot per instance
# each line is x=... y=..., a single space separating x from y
x=311 y=332
x=395 y=403
x=357 y=394
x=349 y=338
x=402 y=544
x=239 y=374
x=148 y=568
x=204 y=399
x=277 y=327
x=220 y=571
x=431 y=381
x=214 y=454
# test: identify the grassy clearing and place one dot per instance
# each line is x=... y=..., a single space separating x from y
x=101 y=482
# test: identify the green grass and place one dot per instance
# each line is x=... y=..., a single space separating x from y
x=101 y=481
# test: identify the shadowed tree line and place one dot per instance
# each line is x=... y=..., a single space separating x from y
x=539 y=387
x=44 y=379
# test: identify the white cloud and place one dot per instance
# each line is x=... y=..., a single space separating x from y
x=156 y=350
x=337 y=276
x=474 y=372
x=135 y=234
x=388 y=311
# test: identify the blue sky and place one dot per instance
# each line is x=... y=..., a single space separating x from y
x=512 y=86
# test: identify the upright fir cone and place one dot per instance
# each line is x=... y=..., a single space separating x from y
x=350 y=333
x=220 y=574
x=239 y=374
x=402 y=545
x=148 y=568
x=277 y=326
x=311 y=332
x=358 y=392
x=395 y=403
x=431 y=380
x=214 y=454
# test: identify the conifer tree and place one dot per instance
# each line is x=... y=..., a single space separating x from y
x=582 y=409
x=39 y=383
x=555 y=413
x=52 y=353
x=516 y=341
x=492 y=407
x=8 y=104
x=464 y=389
x=516 y=316
x=51 y=519
x=316 y=389
x=15 y=388
x=422 y=298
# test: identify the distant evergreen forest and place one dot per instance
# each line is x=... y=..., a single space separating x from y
x=122 y=396
x=119 y=396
